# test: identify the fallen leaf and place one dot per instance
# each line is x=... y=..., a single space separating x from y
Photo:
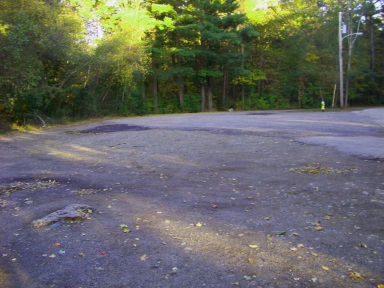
x=143 y=257
x=99 y=268
x=325 y=268
x=300 y=246
x=56 y=244
x=380 y=286
x=314 y=254
x=123 y=226
x=327 y=217
x=253 y=246
x=102 y=252
x=199 y=224
x=363 y=245
x=356 y=275
x=319 y=228
x=126 y=230
x=293 y=248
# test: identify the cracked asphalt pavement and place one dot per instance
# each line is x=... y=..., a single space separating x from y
x=235 y=199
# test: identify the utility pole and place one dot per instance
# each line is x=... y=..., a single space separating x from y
x=341 y=60
x=343 y=30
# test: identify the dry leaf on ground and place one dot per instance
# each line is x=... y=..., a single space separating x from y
x=253 y=246
x=356 y=275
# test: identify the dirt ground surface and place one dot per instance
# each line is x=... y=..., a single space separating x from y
x=259 y=199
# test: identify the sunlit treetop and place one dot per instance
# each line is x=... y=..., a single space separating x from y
x=254 y=5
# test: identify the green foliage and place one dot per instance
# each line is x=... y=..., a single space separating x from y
x=265 y=102
x=191 y=103
x=249 y=77
x=298 y=49
x=204 y=38
x=76 y=59
x=40 y=50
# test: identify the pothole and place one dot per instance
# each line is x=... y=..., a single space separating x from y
x=114 y=128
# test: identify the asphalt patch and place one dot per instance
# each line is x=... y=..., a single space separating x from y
x=114 y=128
x=260 y=113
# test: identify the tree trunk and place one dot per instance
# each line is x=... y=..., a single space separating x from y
x=300 y=92
x=242 y=85
x=154 y=86
x=181 y=92
x=372 y=40
x=259 y=82
x=348 y=74
x=202 y=97
x=180 y=85
x=225 y=89
x=210 y=98
x=234 y=94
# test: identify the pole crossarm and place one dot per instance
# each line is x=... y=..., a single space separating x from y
x=359 y=33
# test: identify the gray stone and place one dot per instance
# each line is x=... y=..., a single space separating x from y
x=71 y=213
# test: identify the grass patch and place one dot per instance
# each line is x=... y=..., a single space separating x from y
x=18 y=186
x=318 y=169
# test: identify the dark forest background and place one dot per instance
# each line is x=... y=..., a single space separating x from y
x=75 y=59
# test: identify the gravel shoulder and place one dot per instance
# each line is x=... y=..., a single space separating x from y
x=201 y=200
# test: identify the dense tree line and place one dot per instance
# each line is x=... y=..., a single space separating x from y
x=77 y=59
